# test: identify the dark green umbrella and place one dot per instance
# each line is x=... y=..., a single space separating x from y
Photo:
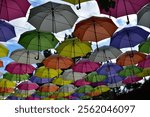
x=145 y=47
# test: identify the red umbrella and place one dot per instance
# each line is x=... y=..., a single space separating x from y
x=19 y=68
x=131 y=79
x=12 y=9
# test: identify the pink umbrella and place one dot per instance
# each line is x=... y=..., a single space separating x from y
x=27 y=85
x=131 y=79
x=32 y=98
x=19 y=68
x=145 y=63
x=85 y=66
x=81 y=82
x=12 y=9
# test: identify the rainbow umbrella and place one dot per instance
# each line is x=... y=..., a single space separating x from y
x=3 y=51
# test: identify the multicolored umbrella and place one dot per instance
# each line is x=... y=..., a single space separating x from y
x=129 y=37
x=131 y=79
x=19 y=68
x=95 y=29
x=7 y=31
x=104 y=53
x=3 y=51
x=84 y=66
x=12 y=9
x=124 y=7
x=26 y=56
x=44 y=72
x=143 y=15
x=73 y=48
x=145 y=46
x=130 y=58
x=52 y=17
x=57 y=62
x=27 y=85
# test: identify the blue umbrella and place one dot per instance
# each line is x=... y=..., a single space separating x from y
x=129 y=37
x=38 y=80
x=7 y=31
x=109 y=69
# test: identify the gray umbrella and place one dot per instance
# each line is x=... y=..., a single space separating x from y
x=52 y=17
x=143 y=16
x=105 y=53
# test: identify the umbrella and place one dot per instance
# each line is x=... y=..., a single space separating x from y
x=47 y=72
x=85 y=66
x=130 y=58
x=15 y=77
x=94 y=29
x=73 y=48
x=145 y=72
x=104 y=53
x=145 y=47
x=60 y=81
x=109 y=69
x=6 y=90
x=27 y=85
x=70 y=75
x=129 y=37
x=84 y=89
x=143 y=15
x=145 y=63
x=39 y=80
x=52 y=17
x=81 y=82
x=124 y=7
x=94 y=77
x=3 y=50
x=26 y=56
x=4 y=83
x=7 y=31
x=57 y=62
x=131 y=79
x=76 y=2
x=24 y=93
x=130 y=71
x=49 y=87
x=19 y=68
x=1 y=63
x=12 y=9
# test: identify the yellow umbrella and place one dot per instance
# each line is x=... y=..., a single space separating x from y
x=61 y=81
x=102 y=88
x=44 y=72
x=73 y=48
x=145 y=72
x=6 y=83
x=3 y=50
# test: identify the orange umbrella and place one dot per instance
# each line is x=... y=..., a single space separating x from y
x=130 y=58
x=95 y=29
x=57 y=62
x=48 y=88
x=6 y=90
x=1 y=63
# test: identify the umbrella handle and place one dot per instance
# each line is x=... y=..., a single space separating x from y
x=79 y=7
x=37 y=57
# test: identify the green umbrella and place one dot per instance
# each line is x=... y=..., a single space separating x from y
x=145 y=47
x=15 y=77
x=34 y=40
x=84 y=89
x=130 y=71
x=94 y=77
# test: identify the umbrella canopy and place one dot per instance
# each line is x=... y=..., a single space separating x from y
x=130 y=71
x=94 y=77
x=19 y=68
x=130 y=58
x=81 y=82
x=49 y=87
x=109 y=69
x=70 y=75
x=12 y=9
x=52 y=17
x=39 y=80
x=24 y=93
x=34 y=40
x=15 y=77
x=145 y=46
x=1 y=63
x=3 y=51
x=44 y=72
x=84 y=66
x=60 y=81
x=124 y=7
x=84 y=89
x=7 y=31
x=145 y=72
x=129 y=37
x=73 y=48
x=27 y=85
x=145 y=63
x=95 y=29
x=26 y=56
x=104 y=53
x=143 y=15
x=4 y=83
x=131 y=79
x=57 y=62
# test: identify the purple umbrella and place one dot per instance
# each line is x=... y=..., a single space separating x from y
x=145 y=63
x=109 y=69
x=27 y=85
x=129 y=37
x=6 y=31
x=131 y=79
x=39 y=80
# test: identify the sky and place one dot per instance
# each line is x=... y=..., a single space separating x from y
x=21 y=25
